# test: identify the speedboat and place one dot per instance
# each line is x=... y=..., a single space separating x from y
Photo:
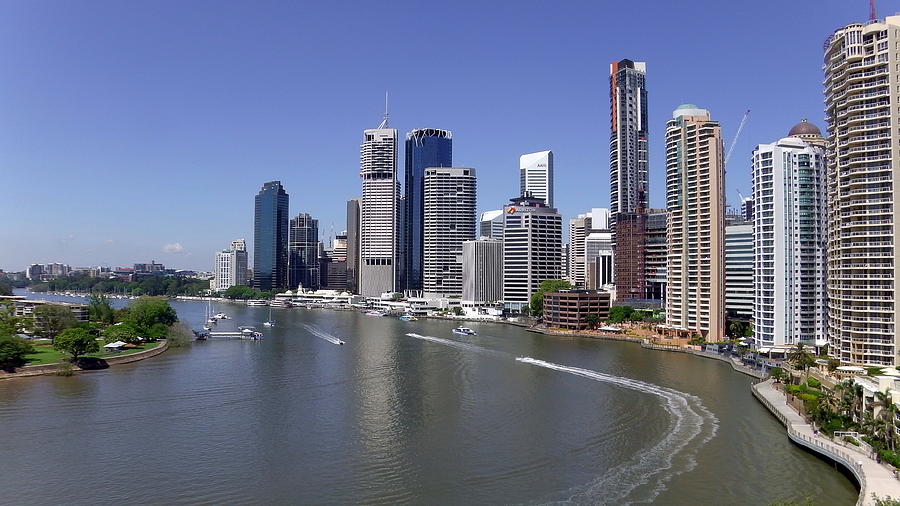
x=408 y=318
x=221 y=316
x=269 y=324
x=465 y=331
x=340 y=342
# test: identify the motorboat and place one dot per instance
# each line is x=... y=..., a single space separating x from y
x=466 y=331
x=251 y=333
x=207 y=328
x=340 y=342
x=270 y=322
x=374 y=313
x=408 y=318
x=257 y=302
x=221 y=316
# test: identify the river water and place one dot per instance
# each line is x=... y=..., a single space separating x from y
x=404 y=412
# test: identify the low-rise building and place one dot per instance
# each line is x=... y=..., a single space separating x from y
x=24 y=308
x=568 y=309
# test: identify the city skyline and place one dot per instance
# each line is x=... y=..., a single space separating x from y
x=108 y=134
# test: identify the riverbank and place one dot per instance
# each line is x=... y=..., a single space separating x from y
x=102 y=363
x=873 y=478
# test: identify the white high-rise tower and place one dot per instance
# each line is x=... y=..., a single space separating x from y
x=536 y=176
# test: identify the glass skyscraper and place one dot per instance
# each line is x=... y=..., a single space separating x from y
x=303 y=251
x=270 y=238
x=425 y=147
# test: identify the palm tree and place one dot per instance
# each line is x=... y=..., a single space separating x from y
x=886 y=413
x=801 y=358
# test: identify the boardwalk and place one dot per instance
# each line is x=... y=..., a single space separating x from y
x=874 y=478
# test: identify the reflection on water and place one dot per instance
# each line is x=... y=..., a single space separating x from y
x=403 y=412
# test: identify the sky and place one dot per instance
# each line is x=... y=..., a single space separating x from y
x=137 y=131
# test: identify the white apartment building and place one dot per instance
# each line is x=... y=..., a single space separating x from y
x=230 y=267
x=532 y=241
x=695 y=199
x=379 y=212
x=536 y=176
x=862 y=93
x=490 y=224
x=448 y=221
x=789 y=241
x=482 y=270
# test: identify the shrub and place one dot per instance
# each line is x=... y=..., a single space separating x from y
x=65 y=368
x=179 y=335
x=813 y=382
x=890 y=457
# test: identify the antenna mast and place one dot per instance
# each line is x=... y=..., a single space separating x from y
x=872 y=16
x=384 y=122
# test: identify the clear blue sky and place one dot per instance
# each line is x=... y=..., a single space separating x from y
x=129 y=126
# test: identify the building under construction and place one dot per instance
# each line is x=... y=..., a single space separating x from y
x=640 y=260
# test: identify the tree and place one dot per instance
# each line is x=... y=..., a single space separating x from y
x=736 y=328
x=592 y=320
x=618 y=314
x=833 y=364
x=801 y=358
x=145 y=312
x=51 y=319
x=778 y=374
x=885 y=417
x=126 y=332
x=10 y=324
x=13 y=350
x=551 y=285
x=239 y=292
x=76 y=342
x=100 y=309
x=457 y=311
x=6 y=287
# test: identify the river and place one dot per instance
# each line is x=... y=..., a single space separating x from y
x=404 y=412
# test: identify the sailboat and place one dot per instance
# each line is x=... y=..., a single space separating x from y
x=270 y=322
x=209 y=319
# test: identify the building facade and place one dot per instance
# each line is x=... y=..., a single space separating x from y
x=482 y=270
x=532 y=241
x=695 y=200
x=536 y=176
x=569 y=309
x=353 y=210
x=303 y=253
x=490 y=224
x=739 y=261
x=656 y=244
x=425 y=147
x=789 y=240
x=449 y=220
x=628 y=137
x=863 y=165
x=230 y=266
x=270 y=238
x=379 y=231
x=579 y=228
x=600 y=258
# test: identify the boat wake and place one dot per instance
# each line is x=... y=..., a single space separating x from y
x=322 y=334
x=673 y=455
x=690 y=419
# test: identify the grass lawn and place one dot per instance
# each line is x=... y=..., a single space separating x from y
x=45 y=354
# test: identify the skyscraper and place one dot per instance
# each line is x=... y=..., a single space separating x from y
x=270 y=238
x=536 y=176
x=482 y=271
x=425 y=147
x=789 y=242
x=379 y=215
x=599 y=260
x=861 y=96
x=532 y=242
x=490 y=224
x=695 y=199
x=628 y=154
x=449 y=220
x=231 y=266
x=739 y=258
x=303 y=253
x=597 y=220
x=353 y=210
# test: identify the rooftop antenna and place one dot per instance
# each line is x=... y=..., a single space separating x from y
x=872 y=16
x=384 y=122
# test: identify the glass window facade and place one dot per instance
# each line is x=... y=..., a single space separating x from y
x=270 y=238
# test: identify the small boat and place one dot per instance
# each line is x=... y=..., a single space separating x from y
x=206 y=328
x=374 y=313
x=408 y=318
x=465 y=331
x=250 y=333
x=270 y=322
x=340 y=342
x=257 y=302
x=221 y=316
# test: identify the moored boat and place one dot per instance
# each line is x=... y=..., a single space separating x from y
x=465 y=331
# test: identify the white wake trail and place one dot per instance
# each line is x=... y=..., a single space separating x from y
x=459 y=344
x=689 y=419
x=322 y=334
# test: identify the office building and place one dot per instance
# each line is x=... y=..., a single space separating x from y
x=47 y=272
x=482 y=270
x=449 y=220
x=600 y=258
x=739 y=271
x=628 y=153
x=425 y=147
x=490 y=224
x=270 y=238
x=303 y=253
x=569 y=309
x=790 y=235
x=861 y=97
x=579 y=228
x=695 y=200
x=230 y=267
x=353 y=210
x=536 y=176
x=641 y=254
x=656 y=254
x=379 y=231
x=532 y=240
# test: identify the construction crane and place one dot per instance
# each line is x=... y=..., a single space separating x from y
x=736 y=135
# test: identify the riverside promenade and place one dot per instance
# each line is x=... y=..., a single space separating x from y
x=873 y=478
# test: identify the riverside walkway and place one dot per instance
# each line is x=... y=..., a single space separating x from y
x=873 y=478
